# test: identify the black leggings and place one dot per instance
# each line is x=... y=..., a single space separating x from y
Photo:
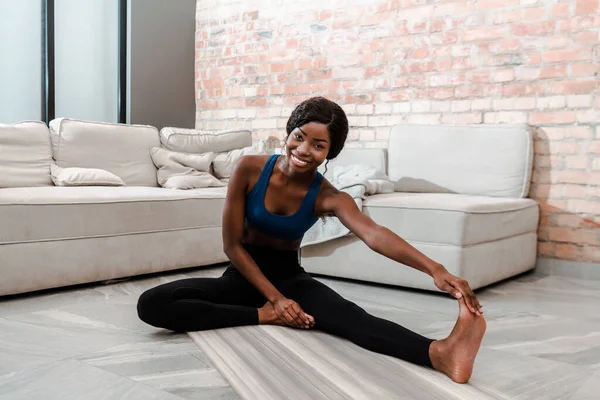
x=198 y=304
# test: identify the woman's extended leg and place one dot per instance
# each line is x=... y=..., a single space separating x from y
x=454 y=355
x=201 y=303
x=338 y=316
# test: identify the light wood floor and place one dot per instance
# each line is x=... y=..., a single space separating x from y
x=542 y=342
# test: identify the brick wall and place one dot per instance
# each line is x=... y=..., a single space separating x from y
x=390 y=62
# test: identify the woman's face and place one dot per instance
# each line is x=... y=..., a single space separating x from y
x=307 y=146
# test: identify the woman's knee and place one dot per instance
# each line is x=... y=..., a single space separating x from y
x=149 y=305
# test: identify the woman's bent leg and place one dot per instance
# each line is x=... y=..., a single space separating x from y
x=338 y=316
x=201 y=303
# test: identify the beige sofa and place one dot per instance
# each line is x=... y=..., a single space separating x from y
x=54 y=236
x=460 y=198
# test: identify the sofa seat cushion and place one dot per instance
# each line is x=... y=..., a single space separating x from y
x=62 y=213
x=452 y=219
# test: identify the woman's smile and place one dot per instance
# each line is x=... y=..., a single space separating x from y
x=298 y=162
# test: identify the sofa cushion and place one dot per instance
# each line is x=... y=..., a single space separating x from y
x=452 y=219
x=197 y=141
x=121 y=149
x=485 y=160
x=59 y=213
x=25 y=155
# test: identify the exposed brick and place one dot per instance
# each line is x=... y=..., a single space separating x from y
x=505 y=117
x=584 y=206
x=551 y=102
x=419 y=106
x=481 y=104
x=591 y=253
x=573 y=86
x=554 y=71
x=367 y=134
x=401 y=107
x=461 y=105
x=587 y=37
x=584 y=69
x=558 y=40
x=426 y=119
x=522 y=89
x=264 y=123
x=574 y=176
x=546 y=249
x=567 y=251
x=532 y=13
x=567 y=55
x=440 y=106
x=576 y=162
x=484 y=34
x=567 y=220
x=390 y=62
x=492 y=4
x=579 y=22
x=555 y=117
x=593 y=147
x=503 y=75
x=533 y=28
x=528 y=74
x=559 y=10
x=579 y=101
x=464 y=118
x=578 y=132
x=586 y=7
x=503 y=17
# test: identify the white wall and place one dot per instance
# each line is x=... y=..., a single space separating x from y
x=86 y=51
x=20 y=60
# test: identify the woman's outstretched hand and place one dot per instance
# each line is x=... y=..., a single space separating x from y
x=458 y=288
x=289 y=311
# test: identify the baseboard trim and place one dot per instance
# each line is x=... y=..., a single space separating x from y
x=571 y=269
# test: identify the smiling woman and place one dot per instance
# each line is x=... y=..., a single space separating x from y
x=271 y=202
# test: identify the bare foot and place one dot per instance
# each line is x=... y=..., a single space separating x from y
x=455 y=355
x=267 y=315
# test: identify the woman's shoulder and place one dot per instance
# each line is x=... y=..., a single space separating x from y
x=328 y=199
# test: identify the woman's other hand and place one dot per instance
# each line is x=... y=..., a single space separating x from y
x=458 y=288
x=289 y=311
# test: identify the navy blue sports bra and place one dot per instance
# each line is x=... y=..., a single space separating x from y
x=289 y=227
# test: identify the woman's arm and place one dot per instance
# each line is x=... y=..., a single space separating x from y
x=379 y=238
x=233 y=231
x=385 y=242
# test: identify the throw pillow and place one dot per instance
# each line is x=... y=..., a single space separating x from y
x=223 y=162
x=182 y=170
x=75 y=176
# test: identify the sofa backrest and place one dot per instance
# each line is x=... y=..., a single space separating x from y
x=25 y=155
x=373 y=157
x=121 y=149
x=199 y=141
x=486 y=160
